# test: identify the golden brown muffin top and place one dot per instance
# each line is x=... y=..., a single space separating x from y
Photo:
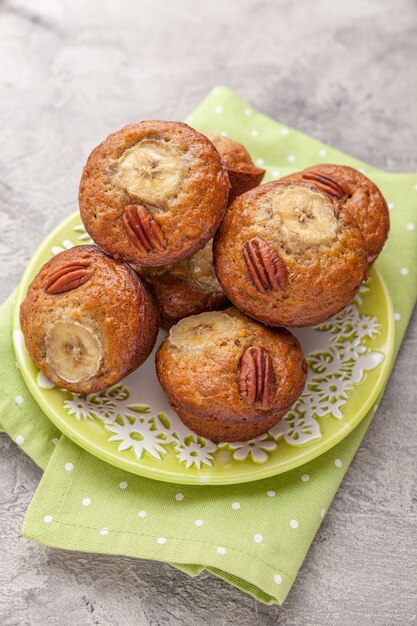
x=225 y=364
x=287 y=255
x=153 y=193
x=84 y=317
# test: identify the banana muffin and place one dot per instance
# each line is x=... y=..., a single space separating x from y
x=288 y=255
x=88 y=320
x=243 y=173
x=228 y=377
x=186 y=288
x=359 y=195
x=153 y=193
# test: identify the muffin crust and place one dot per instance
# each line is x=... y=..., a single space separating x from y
x=228 y=377
x=153 y=193
x=88 y=320
x=287 y=255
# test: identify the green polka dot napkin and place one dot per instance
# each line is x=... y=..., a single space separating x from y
x=255 y=535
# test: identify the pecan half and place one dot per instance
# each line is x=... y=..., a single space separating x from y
x=68 y=277
x=256 y=378
x=141 y=228
x=329 y=184
x=265 y=266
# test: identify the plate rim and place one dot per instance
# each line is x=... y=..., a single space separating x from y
x=259 y=471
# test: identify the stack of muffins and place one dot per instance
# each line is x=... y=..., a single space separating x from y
x=184 y=231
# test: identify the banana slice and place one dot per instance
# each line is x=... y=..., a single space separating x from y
x=73 y=352
x=202 y=270
x=197 y=332
x=151 y=171
x=306 y=216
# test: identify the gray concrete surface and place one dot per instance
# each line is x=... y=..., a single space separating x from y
x=70 y=72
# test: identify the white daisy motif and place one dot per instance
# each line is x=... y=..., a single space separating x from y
x=194 y=453
x=255 y=448
x=139 y=436
x=368 y=327
x=350 y=350
x=79 y=407
x=333 y=387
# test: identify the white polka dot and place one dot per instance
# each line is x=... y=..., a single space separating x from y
x=260 y=162
x=69 y=467
x=291 y=158
x=254 y=132
x=104 y=532
x=284 y=131
x=404 y=271
x=397 y=317
x=258 y=538
x=19 y=440
x=391 y=205
x=17 y=365
x=277 y=579
x=294 y=523
x=55 y=441
x=322 y=513
x=161 y=540
x=48 y=519
x=123 y=485
x=270 y=493
x=248 y=112
x=236 y=506
x=322 y=152
x=221 y=550
x=305 y=478
x=411 y=226
x=179 y=497
x=86 y=501
x=338 y=462
x=19 y=400
x=218 y=109
x=275 y=174
x=142 y=514
x=223 y=133
x=415 y=187
x=199 y=522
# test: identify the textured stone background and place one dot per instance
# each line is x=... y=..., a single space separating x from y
x=71 y=72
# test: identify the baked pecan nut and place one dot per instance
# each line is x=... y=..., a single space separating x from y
x=265 y=266
x=68 y=277
x=141 y=228
x=256 y=377
x=329 y=184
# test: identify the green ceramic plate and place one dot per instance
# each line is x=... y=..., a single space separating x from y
x=132 y=426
